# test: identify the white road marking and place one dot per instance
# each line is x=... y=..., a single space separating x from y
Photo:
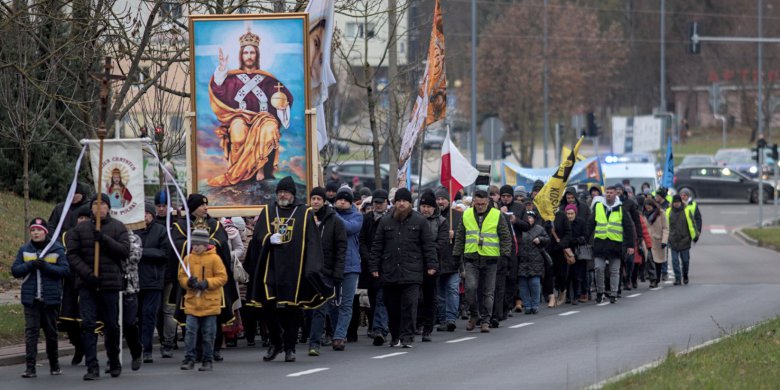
x=634 y=295
x=389 y=355
x=669 y=282
x=657 y=288
x=718 y=229
x=521 y=325
x=307 y=372
x=603 y=303
x=568 y=313
x=460 y=340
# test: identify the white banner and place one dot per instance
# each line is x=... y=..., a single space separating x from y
x=123 y=178
x=321 y=77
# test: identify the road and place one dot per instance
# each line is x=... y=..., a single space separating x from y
x=732 y=286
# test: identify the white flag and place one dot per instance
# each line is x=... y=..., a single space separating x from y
x=123 y=178
x=321 y=74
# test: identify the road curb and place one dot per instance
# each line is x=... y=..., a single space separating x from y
x=744 y=237
x=15 y=358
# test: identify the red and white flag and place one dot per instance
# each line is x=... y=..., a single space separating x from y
x=456 y=172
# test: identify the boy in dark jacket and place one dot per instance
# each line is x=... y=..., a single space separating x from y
x=41 y=293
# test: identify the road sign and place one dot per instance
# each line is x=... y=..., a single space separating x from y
x=716 y=98
x=492 y=132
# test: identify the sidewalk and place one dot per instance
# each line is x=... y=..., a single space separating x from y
x=14 y=354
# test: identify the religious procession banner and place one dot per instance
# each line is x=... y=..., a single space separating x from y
x=548 y=199
x=430 y=106
x=123 y=178
x=250 y=77
x=321 y=25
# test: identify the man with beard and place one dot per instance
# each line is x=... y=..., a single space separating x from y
x=200 y=219
x=378 y=314
x=440 y=230
x=403 y=251
x=449 y=266
x=284 y=231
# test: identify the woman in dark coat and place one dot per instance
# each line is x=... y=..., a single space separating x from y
x=531 y=263
x=577 y=271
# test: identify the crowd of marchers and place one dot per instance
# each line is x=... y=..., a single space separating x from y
x=318 y=272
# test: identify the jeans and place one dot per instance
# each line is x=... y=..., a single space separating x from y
x=328 y=310
x=530 y=290
x=483 y=273
x=448 y=298
x=686 y=261
x=347 y=295
x=167 y=326
x=149 y=305
x=379 y=323
x=614 y=274
x=208 y=329
x=130 y=330
x=401 y=300
x=99 y=305
x=37 y=316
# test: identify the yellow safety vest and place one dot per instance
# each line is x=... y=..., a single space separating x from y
x=609 y=229
x=691 y=225
x=488 y=233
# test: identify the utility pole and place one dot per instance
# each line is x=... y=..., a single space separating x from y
x=392 y=71
x=760 y=69
x=473 y=135
x=662 y=86
x=546 y=88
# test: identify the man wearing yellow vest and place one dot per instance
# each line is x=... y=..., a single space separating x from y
x=613 y=235
x=682 y=231
x=693 y=209
x=483 y=236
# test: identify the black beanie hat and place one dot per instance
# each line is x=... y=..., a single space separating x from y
x=82 y=189
x=196 y=200
x=346 y=194
x=507 y=189
x=677 y=198
x=83 y=211
x=161 y=198
x=379 y=195
x=149 y=208
x=103 y=198
x=317 y=191
x=331 y=186
x=403 y=194
x=538 y=185
x=286 y=184
x=427 y=198
x=595 y=188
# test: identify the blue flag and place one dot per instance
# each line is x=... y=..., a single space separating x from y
x=668 y=179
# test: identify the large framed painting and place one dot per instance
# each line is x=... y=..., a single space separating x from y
x=250 y=91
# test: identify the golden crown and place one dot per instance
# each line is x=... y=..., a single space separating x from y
x=249 y=39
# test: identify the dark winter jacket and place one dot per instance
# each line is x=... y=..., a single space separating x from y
x=609 y=248
x=579 y=233
x=70 y=215
x=504 y=238
x=367 y=233
x=441 y=234
x=449 y=264
x=562 y=228
x=353 y=222
x=403 y=251
x=333 y=237
x=156 y=252
x=49 y=276
x=679 y=235
x=114 y=249
x=531 y=261
x=631 y=207
x=583 y=211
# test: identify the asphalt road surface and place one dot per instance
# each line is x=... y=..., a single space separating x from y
x=732 y=286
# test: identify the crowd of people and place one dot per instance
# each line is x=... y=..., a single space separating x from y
x=315 y=272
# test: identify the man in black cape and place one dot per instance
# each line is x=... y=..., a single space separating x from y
x=284 y=261
x=200 y=219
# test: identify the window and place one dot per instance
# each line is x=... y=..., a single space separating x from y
x=170 y=9
x=359 y=29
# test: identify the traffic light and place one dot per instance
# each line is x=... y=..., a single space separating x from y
x=756 y=154
x=693 y=35
x=592 y=129
x=506 y=149
x=774 y=152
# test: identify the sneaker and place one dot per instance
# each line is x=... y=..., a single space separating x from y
x=250 y=343
x=326 y=341
x=135 y=364
x=218 y=356
x=187 y=365
x=665 y=276
x=599 y=298
x=494 y=323
x=116 y=371
x=451 y=327
x=395 y=343
x=583 y=298
x=148 y=357
x=29 y=373
x=338 y=345
x=575 y=302
x=166 y=353
x=314 y=350
x=634 y=284
x=407 y=344
x=677 y=283
x=231 y=343
x=471 y=325
x=207 y=366
x=535 y=311
x=612 y=299
x=685 y=279
x=272 y=353
x=426 y=338
x=56 y=372
x=379 y=340
x=484 y=328
x=529 y=311
x=92 y=375
x=441 y=328
x=289 y=356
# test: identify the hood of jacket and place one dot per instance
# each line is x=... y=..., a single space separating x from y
x=603 y=200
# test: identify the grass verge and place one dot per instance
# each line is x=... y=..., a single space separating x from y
x=746 y=360
x=768 y=236
x=11 y=324
x=13 y=227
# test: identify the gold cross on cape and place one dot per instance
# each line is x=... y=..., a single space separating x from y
x=279 y=87
x=277 y=223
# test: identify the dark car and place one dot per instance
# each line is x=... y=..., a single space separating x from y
x=714 y=182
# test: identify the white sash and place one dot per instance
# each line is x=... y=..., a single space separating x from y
x=251 y=85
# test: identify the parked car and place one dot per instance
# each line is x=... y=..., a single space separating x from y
x=716 y=182
x=722 y=156
x=698 y=159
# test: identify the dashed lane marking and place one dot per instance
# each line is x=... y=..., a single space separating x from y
x=389 y=355
x=521 y=325
x=603 y=303
x=307 y=372
x=460 y=340
x=718 y=229
x=568 y=313
x=657 y=288
x=634 y=295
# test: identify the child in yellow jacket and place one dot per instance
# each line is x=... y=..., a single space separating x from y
x=203 y=300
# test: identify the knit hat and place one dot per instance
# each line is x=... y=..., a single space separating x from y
x=379 y=195
x=570 y=207
x=686 y=192
x=530 y=213
x=403 y=194
x=82 y=189
x=442 y=193
x=595 y=188
x=83 y=211
x=196 y=200
x=662 y=192
x=317 y=191
x=427 y=198
x=520 y=190
x=239 y=223
x=365 y=192
x=538 y=185
x=521 y=194
x=161 y=198
x=346 y=194
x=677 y=198
x=149 y=208
x=620 y=187
x=103 y=198
x=480 y=194
x=331 y=186
x=507 y=189
x=286 y=184
x=200 y=236
x=38 y=223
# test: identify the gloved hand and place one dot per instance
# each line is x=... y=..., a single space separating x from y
x=98 y=235
x=663 y=246
x=192 y=282
x=696 y=239
x=39 y=263
x=203 y=285
x=93 y=281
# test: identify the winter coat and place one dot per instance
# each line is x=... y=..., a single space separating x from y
x=156 y=251
x=353 y=222
x=631 y=207
x=531 y=260
x=404 y=250
x=114 y=249
x=235 y=243
x=441 y=234
x=679 y=235
x=367 y=233
x=659 y=233
x=579 y=233
x=50 y=276
x=208 y=266
x=449 y=264
x=70 y=215
x=504 y=238
x=609 y=248
x=333 y=237
x=562 y=228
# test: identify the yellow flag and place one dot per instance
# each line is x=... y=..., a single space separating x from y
x=549 y=197
x=565 y=151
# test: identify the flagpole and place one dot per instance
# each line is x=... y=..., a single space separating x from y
x=422 y=151
x=452 y=198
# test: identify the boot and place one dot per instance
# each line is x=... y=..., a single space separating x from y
x=29 y=372
x=472 y=324
x=273 y=352
x=518 y=305
x=92 y=374
x=561 y=298
x=78 y=356
x=551 y=301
